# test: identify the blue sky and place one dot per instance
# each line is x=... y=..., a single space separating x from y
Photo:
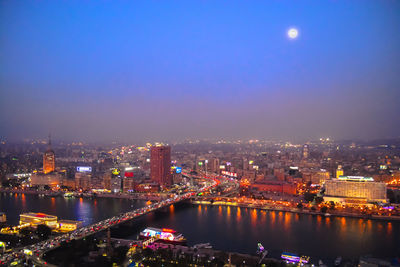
x=134 y=70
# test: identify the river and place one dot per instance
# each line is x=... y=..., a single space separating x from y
x=230 y=228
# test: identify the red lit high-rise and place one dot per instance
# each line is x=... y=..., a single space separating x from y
x=160 y=161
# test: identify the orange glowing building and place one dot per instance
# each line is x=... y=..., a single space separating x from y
x=49 y=160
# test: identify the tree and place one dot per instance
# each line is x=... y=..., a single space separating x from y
x=5 y=184
x=324 y=209
x=24 y=232
x=43 y=231
x=391 y=196
x=308 y=197
x=319 y=200
x=119 y=254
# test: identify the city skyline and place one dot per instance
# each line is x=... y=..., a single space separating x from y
x=138 y=71
x=200 y=133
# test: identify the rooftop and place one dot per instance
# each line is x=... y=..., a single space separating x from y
x=39 y=215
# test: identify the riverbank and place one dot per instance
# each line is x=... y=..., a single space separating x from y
x=298 y=211
x=201 y=254
x=84 y=195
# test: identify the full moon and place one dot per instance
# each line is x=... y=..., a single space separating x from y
x=293 y=33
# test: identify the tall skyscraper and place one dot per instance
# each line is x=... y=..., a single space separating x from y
x=160 y=161
x=49 y=159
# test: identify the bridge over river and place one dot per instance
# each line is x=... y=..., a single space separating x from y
x=36 y=251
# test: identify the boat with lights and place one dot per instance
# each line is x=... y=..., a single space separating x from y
x=293 y=258
x=163 y=234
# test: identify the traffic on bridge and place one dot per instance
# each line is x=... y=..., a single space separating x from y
x=35 y=252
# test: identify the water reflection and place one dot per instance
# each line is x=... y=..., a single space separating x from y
x=53 y=203
x=319 y=220
x=280 y=217
x=238 y=214
x=23 y=201
x=287 y=221
x=83 y=211
x=236 y=229
x=253 y=217
x=273 y=218
x=343 y=221
x=263 y=216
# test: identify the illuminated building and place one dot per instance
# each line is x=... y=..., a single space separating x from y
x=320 y=176
x=116 y=184
x=129 y=175
x=107 y=180
x=83 y=180
x=68 y=225
x=35 y=219
x=214 y=165
x=68 y=183
x=3 y=217
x=339 y=171
x=356 y=189
x=160 y=165
x=305 y=151
x=279 y=173
x=274 y=186
x=49 y=160
x=128 y=184
x=52 y=179
x=245 y=164
x=147 y=187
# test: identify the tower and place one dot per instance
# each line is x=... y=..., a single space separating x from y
x=339 y=171
x=49 y=159
x=305 y=151
x=160 y=165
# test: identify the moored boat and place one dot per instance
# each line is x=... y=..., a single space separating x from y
x=164 y=234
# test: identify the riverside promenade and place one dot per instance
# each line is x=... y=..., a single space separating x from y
x=283 y=208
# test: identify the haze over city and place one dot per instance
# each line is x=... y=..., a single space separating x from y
x=129 y=71
x=200 y=133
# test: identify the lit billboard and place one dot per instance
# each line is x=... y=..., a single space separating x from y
x=128 y=174
x=84 y=169
x=233 y=174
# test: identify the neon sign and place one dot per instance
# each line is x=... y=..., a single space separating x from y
x=84 y=169
x=233 y=174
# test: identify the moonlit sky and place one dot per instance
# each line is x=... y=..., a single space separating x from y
x=167 y=70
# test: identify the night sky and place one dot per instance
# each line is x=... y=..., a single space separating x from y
x=167 y=70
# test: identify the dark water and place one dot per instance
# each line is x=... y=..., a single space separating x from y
x=87 y=210
x=231 y=228
x=239 y=229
